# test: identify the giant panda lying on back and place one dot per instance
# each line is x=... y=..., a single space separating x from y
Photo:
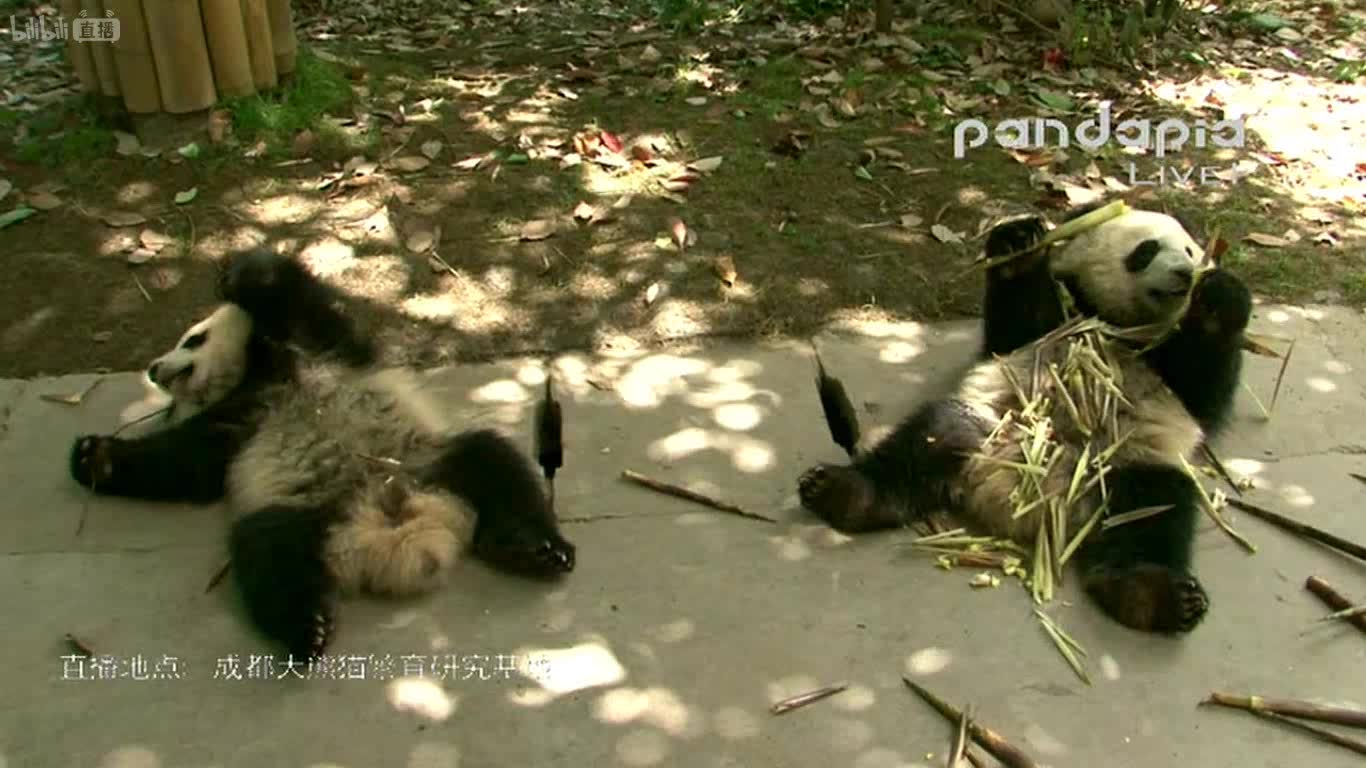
x=339 y=477
x=1134 y=270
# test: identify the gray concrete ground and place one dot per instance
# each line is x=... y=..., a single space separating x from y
x=681 y=625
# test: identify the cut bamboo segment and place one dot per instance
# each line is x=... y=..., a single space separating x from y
x=102 y=52
x=282 y=36
x=79 y=54
x=133 y=59
x=256 y=18
x=176 y=31
x=227 y=37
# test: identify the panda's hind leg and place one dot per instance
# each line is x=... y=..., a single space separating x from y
x=398 y=541
x=905 y=474
x=279 y=564
x=515 y=527
x=1139 y=572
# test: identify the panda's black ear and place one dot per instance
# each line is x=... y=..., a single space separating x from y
x=1140 y=257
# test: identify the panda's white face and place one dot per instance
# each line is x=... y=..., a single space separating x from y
x=208 y=360
x=1134 y=269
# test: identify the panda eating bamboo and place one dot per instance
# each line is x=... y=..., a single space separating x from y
x=1061 y=427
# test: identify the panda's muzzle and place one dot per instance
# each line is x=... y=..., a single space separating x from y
x=163 y=376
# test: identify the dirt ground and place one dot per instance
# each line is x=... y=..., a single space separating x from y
x=579 y=176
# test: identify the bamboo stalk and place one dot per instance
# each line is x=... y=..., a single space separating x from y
x=802 y=699
x=992 y=742
x=1307 y=531
x=684 y=493
x=1348 y=716
x=1355 y=745
x=133 y=59
x=1333 y=599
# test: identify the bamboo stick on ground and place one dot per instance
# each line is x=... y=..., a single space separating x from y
x=1356 y=745
x=992 y=742
x=802 y=699
x=1333 y=599
x=684 y=493
x=1348 y=716
x=1307 y=531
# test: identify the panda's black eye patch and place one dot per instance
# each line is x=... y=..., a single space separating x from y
x=195 y=341
x=1190 y=252
x=1140 y=257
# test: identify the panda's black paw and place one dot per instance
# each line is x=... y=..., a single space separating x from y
x=92 y=461
x=254 y=276
x=840 y=496
x=1221 y=305
x=1013 y=236
x=1149 y=597
x=541 y=558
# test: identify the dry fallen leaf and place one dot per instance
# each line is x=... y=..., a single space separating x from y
x=411 y=163
x=128 y=144
x=420 y=241
x=219 y=122
x=682 y=236
x=1269 y=241
x=651 y=294
x=470 y=163
x=706 y=164
x=911 y=221
x=123 y=218
x=538 y=229
x=141 y=256
x=431 y=149
x=946 y=235
x=725 y=269
x=44 y=201
x=304 y=142
x=73 y=398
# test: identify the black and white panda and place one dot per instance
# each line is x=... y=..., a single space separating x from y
x=1137 y=269
x=341 y=477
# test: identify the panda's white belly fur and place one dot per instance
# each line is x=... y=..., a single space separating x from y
x=339 y=437
x=1159 y=431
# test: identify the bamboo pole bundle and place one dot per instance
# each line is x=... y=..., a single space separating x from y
x=176 y=31
x=79 y=54
x=282 y=37
x=101 y=52
x=256 y=17
x=225 y=29
x=136 y=68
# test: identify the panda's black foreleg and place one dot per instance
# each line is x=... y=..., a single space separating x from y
x=516 y=528
x=1139 y=572
x=279 y=565
x=184 y=462
x=1020 y=303
x=289 y=303
x=903 y=476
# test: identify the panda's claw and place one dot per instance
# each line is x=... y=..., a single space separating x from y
x=1149 y=597
x=842 y=497
x=92 y=463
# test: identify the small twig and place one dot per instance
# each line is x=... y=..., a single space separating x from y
x=1219 y=467
x=1333 y=599
x=1307 y=531
x=138 y=283
x=1350 y=612
x=218 y=575
x=1362 y=478
x=1348 y=716
x=802 y=699
x=684 y=493
x=379 y=459
x=992 y=742
x=443 y=263
x=78 y=645
x=1355 y=745
x=595 y=518
x=1285 y=362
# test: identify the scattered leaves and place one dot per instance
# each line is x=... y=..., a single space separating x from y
x=181 y=198
x=725 y=269
x=44 y=200
x=15 y=216
x=410 y=163
x=1268 y=241
x=945 y=235
x=118 y=219
x=537 y=229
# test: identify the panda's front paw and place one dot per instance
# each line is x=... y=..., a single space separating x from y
x=92 y=461
x=1149 y=597
x=1014 y=236
x=254 y=276
x=840 y=496
x=1221 y=305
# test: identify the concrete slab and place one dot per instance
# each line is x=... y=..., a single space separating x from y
x=681 y=625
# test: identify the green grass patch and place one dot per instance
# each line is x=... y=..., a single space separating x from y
x=319 y=88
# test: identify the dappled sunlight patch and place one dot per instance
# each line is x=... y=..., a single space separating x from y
x=501 y=391
x=882 y=757
x=649 y=381
x=29 y=327
x=657 y=706
x=133 y=756
x=593 y=286
x=738 y=417
x=674 y=631
x=1043 y=742
x=855 y=698
x=328 y=257
x=559 y=671
x=678 y=318
x=812 y=286
x=730 y=392
x=135 y=193
x=747 y=454
x=1296 y=495
x=790 y=547
x=1337 y=367
x=929 y=661
x=421 y=697
x=1321 y=385
x=880 y=328
x=433 y=754
x=558 y=619
x=847 y=734
x=1109 y=667
x=282 y=209
x=898 y=352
